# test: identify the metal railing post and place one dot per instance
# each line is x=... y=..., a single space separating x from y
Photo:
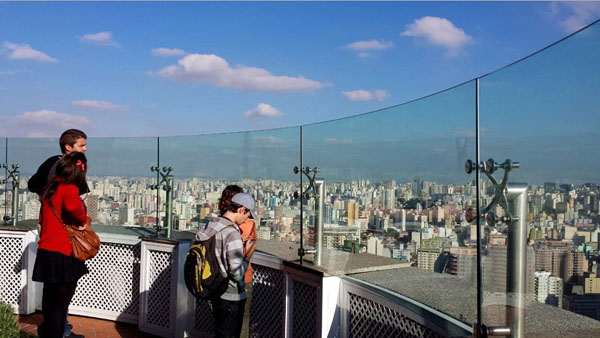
x=169 y=206
x=320 y=190
x=15 y=198
x=516 y=259
x=166 y=182
x=13 y=175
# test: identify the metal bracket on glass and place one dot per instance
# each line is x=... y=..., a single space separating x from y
x=310 y=191
x=314 y=190
x=166 y=182
x=13 y=176
x=488 y=168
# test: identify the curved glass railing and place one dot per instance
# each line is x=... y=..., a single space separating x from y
x=398 y=206
x=543 y=112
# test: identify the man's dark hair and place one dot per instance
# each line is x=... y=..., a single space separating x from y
x=226 y=196
x=70 y=137
x=70 y=169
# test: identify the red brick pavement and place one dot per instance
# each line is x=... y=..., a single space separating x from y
x=88 y=327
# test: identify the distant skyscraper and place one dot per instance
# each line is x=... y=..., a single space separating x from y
x=92 y=203
x=549 y=187
x=548 y=289
x=463 y=262
x=574 y=265
x=495 y=269
x=352 y=211
x=426 y=258
x=126 y=215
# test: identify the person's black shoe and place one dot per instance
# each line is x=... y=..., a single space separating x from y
x=75 y=335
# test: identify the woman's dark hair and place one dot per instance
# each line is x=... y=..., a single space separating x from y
x=225 y=203
x=70 y=169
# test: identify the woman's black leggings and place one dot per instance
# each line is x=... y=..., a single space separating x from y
x=55 y=303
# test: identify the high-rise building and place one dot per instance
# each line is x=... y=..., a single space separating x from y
x=462 y=262
x=586 y=305
x=426 y=258
x=352 y=212
x=574 y=265
x=92 y=202
x=548 y=289
x=31 y=209
x=592 y=284
x=126 y=214
x=495 y=269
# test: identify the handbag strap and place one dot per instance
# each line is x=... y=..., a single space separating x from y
x=56 y=214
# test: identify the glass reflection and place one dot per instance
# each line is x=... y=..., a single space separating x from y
x=543 y=112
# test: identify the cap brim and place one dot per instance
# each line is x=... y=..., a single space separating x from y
x=253 y=215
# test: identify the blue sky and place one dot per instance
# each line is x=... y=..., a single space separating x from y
x=187 y=68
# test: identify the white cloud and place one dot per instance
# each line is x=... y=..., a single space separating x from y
x=98 y=105
x=369 y=45
x=263 y=110
x=338 y=141
x=101 y=38
x=365 y=95
x=210 y=68
x=363 y=48
x=41 y=123
x=575 y=15
x=25 y=52
x=168 y=52
x=438 y=31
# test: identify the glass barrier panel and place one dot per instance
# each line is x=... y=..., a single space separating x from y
x=543 y=112
x=121 y=182
x=118 y=176
x=4 y=206
x=260 y=162
x=26 y=155
x=396 y=193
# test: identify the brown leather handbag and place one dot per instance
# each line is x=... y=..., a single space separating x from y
x=85 y=243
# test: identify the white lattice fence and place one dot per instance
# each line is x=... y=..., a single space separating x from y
x=17 y=252
x=164 y=300
x=371 y=319
x=159 y=287
x=266 y=316
x=11 y=250
x=304 y=310
x=111 y=289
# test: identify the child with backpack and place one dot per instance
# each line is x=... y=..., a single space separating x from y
x=224 y=231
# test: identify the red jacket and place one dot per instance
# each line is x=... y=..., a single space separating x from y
x=71 y=209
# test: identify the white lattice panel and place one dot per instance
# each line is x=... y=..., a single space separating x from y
x=370 y=319
x=304 y=310
x=268 y=300
x=11 y=251
x=112 y=285
x=203 y=319
x=159 y=291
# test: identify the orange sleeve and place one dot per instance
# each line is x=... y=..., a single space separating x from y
x=253 y=232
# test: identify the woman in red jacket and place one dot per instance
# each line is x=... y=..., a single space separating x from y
x=55 y=265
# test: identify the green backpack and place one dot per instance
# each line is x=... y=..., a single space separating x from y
x=201 y=270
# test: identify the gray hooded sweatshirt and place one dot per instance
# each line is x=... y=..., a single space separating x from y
x=229 y=252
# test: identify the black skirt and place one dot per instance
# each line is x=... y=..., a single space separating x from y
x=56 y=268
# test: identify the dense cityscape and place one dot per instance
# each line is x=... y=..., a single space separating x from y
x=421 y=222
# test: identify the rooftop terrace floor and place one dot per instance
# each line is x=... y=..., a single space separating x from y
x=88 y=327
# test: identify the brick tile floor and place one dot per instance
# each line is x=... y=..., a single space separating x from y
x=88 y=327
